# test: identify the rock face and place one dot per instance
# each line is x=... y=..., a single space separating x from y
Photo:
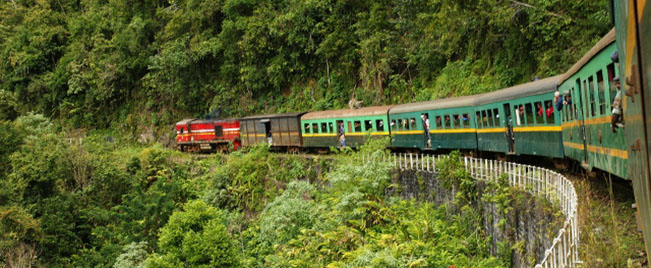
x=525 y=229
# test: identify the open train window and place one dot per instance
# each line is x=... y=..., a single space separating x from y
x=331 y=127
x=324 y=128
x=549 y=112
x=489 y=118
x=307 y=128
x=401 y=125
x=405 y=123
x=368 y=125
x=593 y=103
x=496 y=117
x=528 y=113
x=586 y=99
x=611 y=75
x=181 y=130
x=540 y=112
x=394 y=126
x=484 y=119
x=479 y=122
x=447 y=121
x=438 y=124
x=412 y=121
x=379 y=125
x=315 y=128
x=358 y=126
x=465 y=119
x=603 y=106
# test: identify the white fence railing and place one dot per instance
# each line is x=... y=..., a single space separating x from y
x=535 y=180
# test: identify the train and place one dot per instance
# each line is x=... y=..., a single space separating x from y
x=586 y=115
x=520 y=120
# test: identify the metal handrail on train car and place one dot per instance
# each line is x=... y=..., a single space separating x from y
x=535 y=180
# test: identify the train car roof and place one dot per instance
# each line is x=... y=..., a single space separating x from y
x=365 y=111
x=608 y=39
x=265 y=116
x=184 y=121
x=523 y=90
x=435 y=104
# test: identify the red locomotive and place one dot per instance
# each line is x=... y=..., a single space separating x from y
x=194 y=135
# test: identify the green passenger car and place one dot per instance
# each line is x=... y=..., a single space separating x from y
x=520 y=120
x=633 y=24
x=587 y=133
x=320 y=129
x=451 y=124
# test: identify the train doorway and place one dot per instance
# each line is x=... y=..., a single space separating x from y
x=583 y=102
x=509 y=128
x=264 y=131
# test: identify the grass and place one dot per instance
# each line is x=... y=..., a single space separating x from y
x=609 y=233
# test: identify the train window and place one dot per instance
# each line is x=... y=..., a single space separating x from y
x=412 y=121
x=611 y=75
x=528 y=114
x=593 y=103
x=315 y=128
x=447 y=122
x=307 y=128
x=465 y=119
x=479 y=122
x=181 y=130
x=350 y=126
x=603 y=106
x=358 y=126
x=379 y=125
x=324 y=128
x=331 y=127
x=394 y=126
x=484 y=119
x=368 y=125
x=540 y=112
x=457 y=121
x=549 y=112
x=438 y=122
x=400 y=124
x=496 y=117
x=489 y=118
x=405 y=124
x=586 y=99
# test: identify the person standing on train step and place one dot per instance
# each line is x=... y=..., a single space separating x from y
x=342 y=135
x=617 y=119
x=425 y=118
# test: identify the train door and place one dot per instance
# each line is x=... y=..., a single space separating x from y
x=265 y=130
x=583 y=102
x=508 y=122
x=633 y=28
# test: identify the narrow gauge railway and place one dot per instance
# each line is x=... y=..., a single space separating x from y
x=565 y=117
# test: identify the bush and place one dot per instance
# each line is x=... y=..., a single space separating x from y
x=195 y=237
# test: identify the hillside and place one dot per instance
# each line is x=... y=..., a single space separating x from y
x=125 y=64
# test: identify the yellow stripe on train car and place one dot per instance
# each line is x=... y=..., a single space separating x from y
x=619 y=153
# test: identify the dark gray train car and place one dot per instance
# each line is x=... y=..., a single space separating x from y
x=278 y=130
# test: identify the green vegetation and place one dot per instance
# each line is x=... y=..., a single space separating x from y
x=154 y=62
x=66 y=203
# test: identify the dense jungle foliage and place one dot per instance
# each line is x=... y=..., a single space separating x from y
x=126 y=64
x=104 y=202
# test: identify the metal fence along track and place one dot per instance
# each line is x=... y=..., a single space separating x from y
x=535 y=180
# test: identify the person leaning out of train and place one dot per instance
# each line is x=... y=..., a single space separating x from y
x=558 y=101
x=426 y=128
x=342 y=135
x=617 y=119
